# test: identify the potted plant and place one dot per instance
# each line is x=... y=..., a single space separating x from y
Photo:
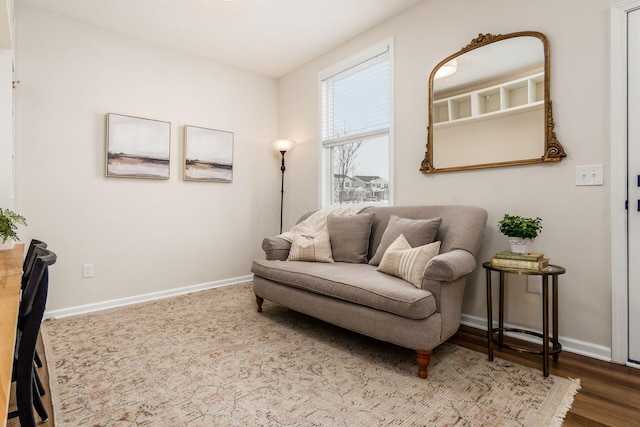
x=9 y=221
x=521 y=232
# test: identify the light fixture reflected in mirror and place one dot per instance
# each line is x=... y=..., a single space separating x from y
x=447 y=69
x=282 y=145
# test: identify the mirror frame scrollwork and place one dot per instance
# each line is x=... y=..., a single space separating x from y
x=552 y=151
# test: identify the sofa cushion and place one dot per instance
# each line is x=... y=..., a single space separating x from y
x=405 y=262
x=418 y=232
x=358 y=283
x=349 y=235
x=311 y=247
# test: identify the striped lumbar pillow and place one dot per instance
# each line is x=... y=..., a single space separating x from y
x=407 y=263
x=311 y=247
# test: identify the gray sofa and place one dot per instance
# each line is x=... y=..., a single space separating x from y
x=358 y=297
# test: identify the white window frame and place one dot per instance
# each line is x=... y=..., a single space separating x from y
x=324 y=178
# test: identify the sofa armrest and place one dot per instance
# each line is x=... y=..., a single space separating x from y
x=450 y=266
x=276 y=248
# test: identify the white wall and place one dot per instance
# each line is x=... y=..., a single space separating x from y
x=6 y=130
x=143 y=236
x=6 y=24
x=6 y=105
x=575 y=219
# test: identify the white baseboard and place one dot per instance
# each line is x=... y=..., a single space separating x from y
x=88 y=308
x=571 y=345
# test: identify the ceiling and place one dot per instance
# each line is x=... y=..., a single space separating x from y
x=504 y=58
x=270 y=37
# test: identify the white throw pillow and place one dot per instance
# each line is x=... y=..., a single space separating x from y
x=407 y=263
x=311 y=247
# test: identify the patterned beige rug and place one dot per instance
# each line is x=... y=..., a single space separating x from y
x=208 y=359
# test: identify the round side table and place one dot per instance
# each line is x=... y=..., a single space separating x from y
x=552 y=271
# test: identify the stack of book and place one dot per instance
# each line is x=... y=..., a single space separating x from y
x=508 y=259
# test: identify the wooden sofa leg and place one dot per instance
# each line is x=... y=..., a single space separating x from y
x=259 y=301
x=423 y=357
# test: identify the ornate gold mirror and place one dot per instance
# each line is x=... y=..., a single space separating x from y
x=489 y=105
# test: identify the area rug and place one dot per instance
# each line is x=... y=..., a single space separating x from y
x=209 y=359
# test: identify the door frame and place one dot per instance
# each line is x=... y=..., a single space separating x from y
x=619 y=265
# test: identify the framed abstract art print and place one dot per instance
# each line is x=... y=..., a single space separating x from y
x=137 y=147
x=208 y=154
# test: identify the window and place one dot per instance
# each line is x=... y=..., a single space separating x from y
x=356 y=126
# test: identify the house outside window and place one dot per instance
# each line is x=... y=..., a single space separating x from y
x=357 y=129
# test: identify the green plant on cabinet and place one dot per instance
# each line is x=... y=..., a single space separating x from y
x=9 y=222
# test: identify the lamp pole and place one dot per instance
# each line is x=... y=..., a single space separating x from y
x=282 y=168
x=282 y=145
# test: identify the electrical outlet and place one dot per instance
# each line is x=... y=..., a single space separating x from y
x=87 y=271
x=590 y=175
x=534 y=284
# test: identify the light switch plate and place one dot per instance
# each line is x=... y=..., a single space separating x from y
x=590 y=175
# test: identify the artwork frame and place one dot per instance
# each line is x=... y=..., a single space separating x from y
x=137 y=147
x=208 y=155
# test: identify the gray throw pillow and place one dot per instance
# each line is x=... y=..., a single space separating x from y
x=418 y=232
x=349 y=236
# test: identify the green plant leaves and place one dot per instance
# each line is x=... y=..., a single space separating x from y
x=518 y=226
x=9 y=221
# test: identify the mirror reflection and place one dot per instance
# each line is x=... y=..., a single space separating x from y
x=489 y=105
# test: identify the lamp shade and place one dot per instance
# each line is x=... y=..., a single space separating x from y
x=283 y=144
x=447 y=69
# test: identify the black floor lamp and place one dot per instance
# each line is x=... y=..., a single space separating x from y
x=282 y=145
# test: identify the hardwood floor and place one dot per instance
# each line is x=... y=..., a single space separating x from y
x=610 y=393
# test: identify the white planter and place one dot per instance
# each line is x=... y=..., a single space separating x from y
x=6 y=246
x=521 y=246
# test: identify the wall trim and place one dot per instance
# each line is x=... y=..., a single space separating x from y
x=90 y=308
x=571 y=345
x=618 y=112
x=618 y=124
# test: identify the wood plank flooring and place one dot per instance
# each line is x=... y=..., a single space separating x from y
x=610 y=393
